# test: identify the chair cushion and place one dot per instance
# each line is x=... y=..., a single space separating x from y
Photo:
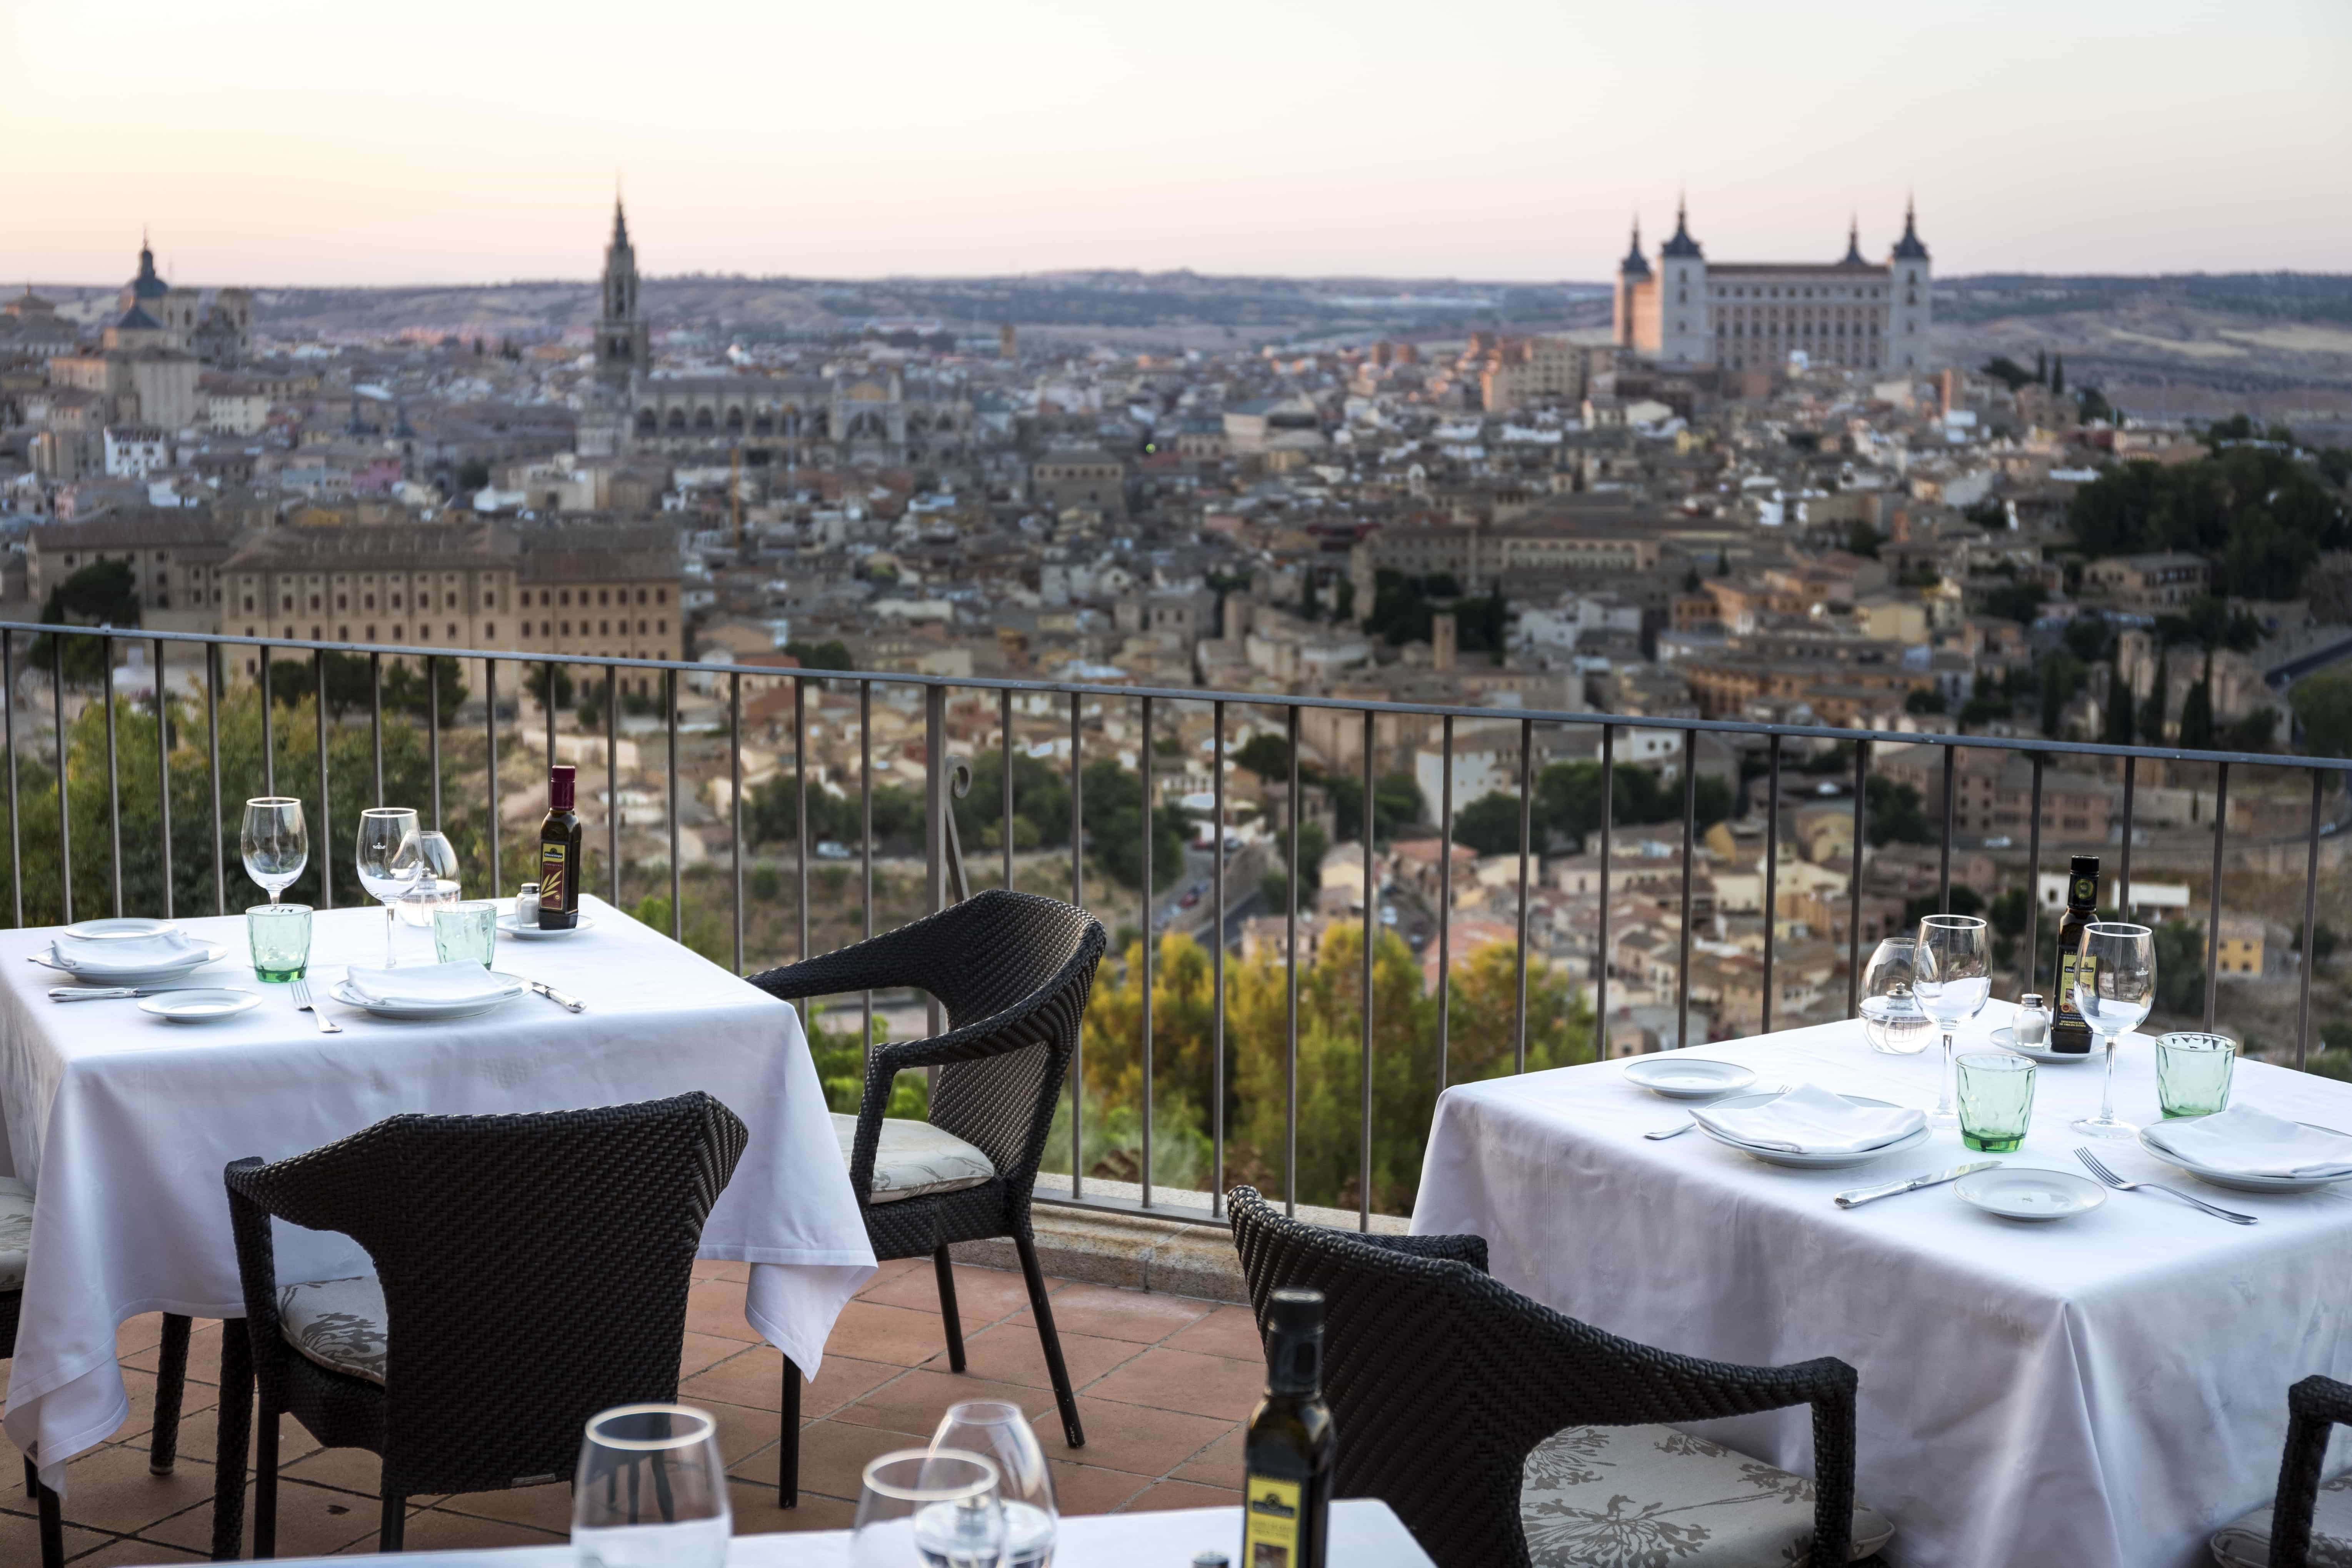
x=2245 y=1542
x=1600 y=1497
x=338 y=1323
x=916 y=1159
x=16 y=1231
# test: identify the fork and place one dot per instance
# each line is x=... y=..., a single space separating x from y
x=2111 y=1179
x=1664 y=1134
x=303 y=1004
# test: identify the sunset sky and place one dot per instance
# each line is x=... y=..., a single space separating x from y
x=273 y=141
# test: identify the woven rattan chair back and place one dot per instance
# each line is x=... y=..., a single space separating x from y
x=534 y=1270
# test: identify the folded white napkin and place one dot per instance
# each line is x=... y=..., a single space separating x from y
x=1809 y=1119
x=131 y=955
x=428 y=983
x=2244 y=1141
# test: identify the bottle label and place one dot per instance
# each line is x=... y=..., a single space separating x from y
x=2086 y=893
x=2073 y=970
x=551 y=875
x=1270 y=1524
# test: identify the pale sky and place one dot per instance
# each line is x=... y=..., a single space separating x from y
x=285 y=142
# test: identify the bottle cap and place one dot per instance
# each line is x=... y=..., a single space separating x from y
x=2085 y=864
x=559 y=787
x=1295 y=1310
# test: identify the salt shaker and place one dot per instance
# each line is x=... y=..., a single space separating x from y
x=2030 y=1025
x=526 y=904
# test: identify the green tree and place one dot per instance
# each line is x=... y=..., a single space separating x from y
x=1896 y=814
x=405 y=690
x=534 y=683
x=2260 y=516
x=473 y=474
x=2058 y=375
x=2322 y=706
x=1113 y=820
x=1862 y=538
x=832 y=653
x=1396 y=803
x=1269 y=756
x=2179 y=968
x=1966 y=900
x=2119 y=709
x=1041 y=803
x=2255 y=731
x=1490 y=824
x=2153 y=719
x=1313 y=845
x=2197 y=711
x=2008 y=372
x=2094 y=406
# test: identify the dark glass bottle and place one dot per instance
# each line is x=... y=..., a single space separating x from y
x=1289 y=1446
x=559 y=855
x=2067 y=1031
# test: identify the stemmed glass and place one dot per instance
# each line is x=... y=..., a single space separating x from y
x=999 y=1432
x=275 y=844
x=2115 y=986
x=387 y=862
x=1952 y=978
x=438 y=881
x=936 y=1506
x=1891 y=1015
x=651 y=1492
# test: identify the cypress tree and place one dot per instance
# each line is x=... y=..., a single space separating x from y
x=2119 y=709
x=2042 y=366
x=2151 y=713
x=2053 y=700
x=2058 y=374
x=2197 y=711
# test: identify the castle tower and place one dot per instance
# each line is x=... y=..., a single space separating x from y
x=1683 y=335
x=1910 y=294
x=624 y=343
x=1633 y=275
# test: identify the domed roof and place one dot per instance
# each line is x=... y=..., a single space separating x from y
x=1636 y=264
x=1909 y=248
x=1853 y=256
x=136 y=320
x=147 y=285
x=1680 y=244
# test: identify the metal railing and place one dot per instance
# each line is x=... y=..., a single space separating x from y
x=945 y=779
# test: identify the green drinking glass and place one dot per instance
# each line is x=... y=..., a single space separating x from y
x=465 y=930
x=280 y=935
x=2192 y=1072
x=1996 y=1100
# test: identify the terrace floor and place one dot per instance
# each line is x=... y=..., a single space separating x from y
x=1164 y=1383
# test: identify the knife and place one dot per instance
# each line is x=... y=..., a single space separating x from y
x=1868 y=1194
x=111 y=993
x=570 y=1003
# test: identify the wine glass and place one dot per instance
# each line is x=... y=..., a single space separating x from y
x=2115 y=986
x=936 y=1507
x=387 y=862
x=651 y=1490
x=1891 y=1017
x=1952 y=978
x=275 y=843
x=998 y=1431
x=438 y=881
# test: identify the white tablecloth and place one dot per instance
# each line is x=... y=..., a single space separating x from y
x=2098 y=1393
x=123 y=1122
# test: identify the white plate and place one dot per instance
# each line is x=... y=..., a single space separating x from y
x=119 y=929
x=2007 y=1040
x=199 y=1004
x=140 y=976
x=2015 y=1193
x=1796 y=1162
x=2239 y=1181
x=1679 y=1077
x=507 y=927
x=426 y=1011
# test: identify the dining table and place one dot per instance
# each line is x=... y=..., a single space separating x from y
x=2099 y=1390
x=123 y=1122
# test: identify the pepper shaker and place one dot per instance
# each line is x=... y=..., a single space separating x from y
x=2030 y=1025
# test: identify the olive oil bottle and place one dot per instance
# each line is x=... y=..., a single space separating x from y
x=1289 y=1446
x=2067 y=1031
x=559 y=855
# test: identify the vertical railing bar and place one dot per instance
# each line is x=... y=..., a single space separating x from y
x=800 y=822
x=677 y=872
x=547 y=708
x=375 y=725
x=1951 y=816
x=325 y=838
x=1608 y=832
x=734 y=799
x=1371 y=937
x=1772 y=870
x=2034 y=886
x=2310 y=926
x=1526 y=833
x=2214 y=916
x=268 y=728
x=865 y=840
x=1853 y=892
x=1690 y=866
x=16 y=836
x=1216 y=964
x=1144 y=763
x=490 y=727
x=1290 y=1005
x=1077 y=896
x=433 y=743
x=1004 y=758
x=939 y=826
x=213 y=689
x=2122 y=865
x=164 y=772
x=113 y=773
x=65 y=808
x=1445 y=897
x=612 y=784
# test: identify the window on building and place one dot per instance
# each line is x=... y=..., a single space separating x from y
x=661 y=595
x=453 y=631
x=564 y=597
x=603 y=596
x=490 y=630
x=566 y=627
x=661 y=628
x=395 y=601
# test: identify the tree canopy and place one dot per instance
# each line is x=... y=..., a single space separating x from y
x=2260 y=517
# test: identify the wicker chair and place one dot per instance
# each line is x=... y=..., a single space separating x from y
x=1444 y=1382
x=1012 y=971
x=2307 y=1523
x=531 y=1271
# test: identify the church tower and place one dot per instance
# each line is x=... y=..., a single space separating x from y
x=623 y=341
x=1910 y=299
x=1683 y=335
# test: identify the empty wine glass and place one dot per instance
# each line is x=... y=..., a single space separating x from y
x=998 y=1431
x=2115 y=986
x=1952 y=978
x=438 y=881
x=1892 y=1018
x=936 y=1507
x=275 y=843
x=651 y=1492
x=387 y=862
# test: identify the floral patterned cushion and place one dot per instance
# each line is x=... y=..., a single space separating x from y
x=2246 y=1542
x=916 y=1158
x=1652 y=1497
x=339 y=1323
x=16 y=1231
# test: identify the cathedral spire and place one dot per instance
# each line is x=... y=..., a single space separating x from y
x=1636 y=264
x=1681 y=243
x=1853 y=256
x=1910 y=247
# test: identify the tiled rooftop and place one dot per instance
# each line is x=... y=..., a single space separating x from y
x=1164 y=1383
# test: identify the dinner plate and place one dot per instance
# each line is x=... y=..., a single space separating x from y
x=1679 y=1077
x=2242 y=1182
x=193 y=963
x=507 y=927
x=200 y=1004
x=2006 y=1040
x=2016 y=1193
x=427 y=1012
x=1797 y=1161
x=119 y=928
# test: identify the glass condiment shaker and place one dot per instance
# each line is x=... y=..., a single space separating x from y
x=2030 y=1025
x=526 y=908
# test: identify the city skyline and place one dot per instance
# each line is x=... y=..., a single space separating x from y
x=264 y=143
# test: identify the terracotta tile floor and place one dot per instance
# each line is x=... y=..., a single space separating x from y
x=1164 y=1383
